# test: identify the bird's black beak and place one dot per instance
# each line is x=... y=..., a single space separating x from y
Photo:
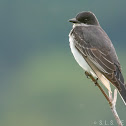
x=74 y=20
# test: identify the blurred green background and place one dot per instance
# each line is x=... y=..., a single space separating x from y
x=41 y=83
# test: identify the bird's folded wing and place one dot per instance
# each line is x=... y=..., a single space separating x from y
x=103 y=57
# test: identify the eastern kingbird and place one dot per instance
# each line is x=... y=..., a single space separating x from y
x=95 y=53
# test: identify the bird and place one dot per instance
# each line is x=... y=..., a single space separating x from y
x=95 y=53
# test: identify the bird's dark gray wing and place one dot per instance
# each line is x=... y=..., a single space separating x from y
x=93 y=43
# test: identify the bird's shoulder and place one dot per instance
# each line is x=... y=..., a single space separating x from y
x=93 y=36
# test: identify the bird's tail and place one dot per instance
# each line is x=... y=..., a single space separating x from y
x=120 y=84
x=122 y=93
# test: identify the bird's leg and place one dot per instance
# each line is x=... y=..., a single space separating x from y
x=87 y=74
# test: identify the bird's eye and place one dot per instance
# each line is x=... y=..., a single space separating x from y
x=85 y=20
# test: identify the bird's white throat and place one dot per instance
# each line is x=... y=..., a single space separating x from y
x=79 y=24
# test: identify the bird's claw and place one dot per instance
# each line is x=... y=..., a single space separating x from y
x=87 y=74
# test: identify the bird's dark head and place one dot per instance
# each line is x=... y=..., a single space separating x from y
x=87 y=18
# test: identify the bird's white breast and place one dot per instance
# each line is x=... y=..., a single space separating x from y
x=79 y=58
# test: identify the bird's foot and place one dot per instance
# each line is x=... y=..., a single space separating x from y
x=87 y=74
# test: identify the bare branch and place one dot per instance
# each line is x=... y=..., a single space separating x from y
x=111 y=101
x=113 y=107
